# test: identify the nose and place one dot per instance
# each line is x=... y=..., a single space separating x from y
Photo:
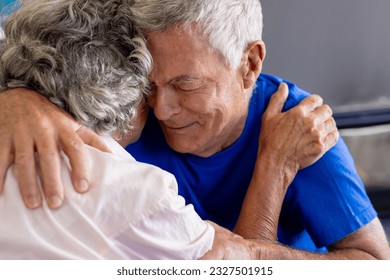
x=165 y=103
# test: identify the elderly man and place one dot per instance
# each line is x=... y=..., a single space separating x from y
x=208 y=99
x=208 y=102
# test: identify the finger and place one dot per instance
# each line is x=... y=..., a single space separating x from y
x=331 y=138
x=330 y=141
x=324 y=138
x=322 y=114
x=74 y=147
x=6 y=159
x=92 y=139
x=50 y=171
x=311 y=102
x=277 y=100
x=25 y=173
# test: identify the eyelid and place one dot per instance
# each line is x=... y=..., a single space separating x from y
x=184 y=79
x=191 y=83
x=187 y=87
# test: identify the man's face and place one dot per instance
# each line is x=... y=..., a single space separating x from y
x=200 y=102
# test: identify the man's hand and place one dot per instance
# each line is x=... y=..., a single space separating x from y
x=288 y=142
x=228 y=246
x=299 y=137
x=33 y=130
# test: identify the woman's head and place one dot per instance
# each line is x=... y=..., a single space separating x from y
x=86 y=56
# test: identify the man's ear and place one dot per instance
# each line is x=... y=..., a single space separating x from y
x=252 y=63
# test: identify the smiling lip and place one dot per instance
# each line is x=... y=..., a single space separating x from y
x=176 y=127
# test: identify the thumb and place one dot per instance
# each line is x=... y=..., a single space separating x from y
x=278 y=99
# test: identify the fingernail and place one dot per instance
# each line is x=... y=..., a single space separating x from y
x=33 y=201
x=54 y=201
x=83 y=186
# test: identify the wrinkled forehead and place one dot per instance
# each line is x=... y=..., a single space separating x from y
x=189 y=39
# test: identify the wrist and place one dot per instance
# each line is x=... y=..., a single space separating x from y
x=277 y=167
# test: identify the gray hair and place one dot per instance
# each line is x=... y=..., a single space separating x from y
x=230 y=25
x=86 y=56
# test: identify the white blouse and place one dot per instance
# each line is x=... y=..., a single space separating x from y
x=132 y=211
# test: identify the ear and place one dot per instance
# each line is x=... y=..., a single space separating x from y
x=252 y=63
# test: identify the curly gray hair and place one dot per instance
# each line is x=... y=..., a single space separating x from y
x=86 y=56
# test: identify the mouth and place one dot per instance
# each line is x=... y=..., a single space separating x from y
x=176 y=127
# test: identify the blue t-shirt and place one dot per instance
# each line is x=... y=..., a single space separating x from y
x=7 y=6
x=325 y=202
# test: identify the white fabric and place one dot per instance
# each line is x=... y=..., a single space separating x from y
x=132 y=211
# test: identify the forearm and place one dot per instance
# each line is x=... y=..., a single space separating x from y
x=258 y=224
x=366 y=243
x=260 y=211
x=229 y=246
x=269 y=251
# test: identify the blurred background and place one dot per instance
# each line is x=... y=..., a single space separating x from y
x=6 y=6
x=337 y=48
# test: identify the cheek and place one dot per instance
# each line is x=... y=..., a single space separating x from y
x=199 y=105
x=212 y=106
x=202 y=106
x=151 y=100
x=215 y=118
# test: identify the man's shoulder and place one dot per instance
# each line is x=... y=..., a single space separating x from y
x=267 y=85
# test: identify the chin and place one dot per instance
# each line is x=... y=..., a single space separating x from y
x=180 y=148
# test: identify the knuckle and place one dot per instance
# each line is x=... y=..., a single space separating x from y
x=44 y=128
x=331 y=125
x=335 y=137
x=266 y=116
x=309 y=123
x=75 y=144
x=316 y=98
x=49 y=156
x=298 y=112
x=316 y=134
x=6 y=159
x=327 y=107
x=319 y=147
x=22 y=160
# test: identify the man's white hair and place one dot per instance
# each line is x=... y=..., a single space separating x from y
x=230 y=25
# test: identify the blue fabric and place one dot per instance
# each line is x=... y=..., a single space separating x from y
x=7 y=6
x=4 y=3
x=326 y=201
